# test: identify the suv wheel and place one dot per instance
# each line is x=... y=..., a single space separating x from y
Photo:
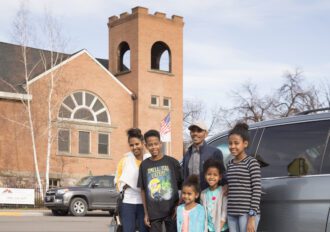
x=60 y=212
x=78 y=207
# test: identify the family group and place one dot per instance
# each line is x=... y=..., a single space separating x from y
x=198 y=195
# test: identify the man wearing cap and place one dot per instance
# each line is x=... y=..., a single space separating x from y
x=198 y=153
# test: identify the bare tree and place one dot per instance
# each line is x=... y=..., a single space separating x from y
x=292 y=97
x=325 y=92
x=193 y=110
x=55 y=42
x=220 y=119
x=250 y=106
x=22 y=33
x=51 y=34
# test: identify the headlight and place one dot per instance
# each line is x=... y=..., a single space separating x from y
x=62 y=191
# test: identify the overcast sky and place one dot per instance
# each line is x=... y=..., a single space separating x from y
x=226 y=42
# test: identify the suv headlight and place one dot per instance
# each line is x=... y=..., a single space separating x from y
x=62 y=191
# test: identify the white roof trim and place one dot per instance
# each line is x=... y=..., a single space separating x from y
x=72 y=58
x=15 y=96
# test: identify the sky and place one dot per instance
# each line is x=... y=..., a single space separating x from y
x=226 y=42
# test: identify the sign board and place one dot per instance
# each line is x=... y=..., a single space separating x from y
x=16 y=196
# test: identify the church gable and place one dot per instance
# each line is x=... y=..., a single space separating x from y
x=82 y=63
x=12 y=72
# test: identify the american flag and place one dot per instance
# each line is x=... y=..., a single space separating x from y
x=165 y=129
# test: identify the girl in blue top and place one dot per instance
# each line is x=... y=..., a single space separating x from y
x=190 y=215
x=213 y=199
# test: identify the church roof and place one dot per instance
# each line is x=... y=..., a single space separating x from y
x=12 y=71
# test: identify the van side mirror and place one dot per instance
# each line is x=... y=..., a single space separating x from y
x=298 y=167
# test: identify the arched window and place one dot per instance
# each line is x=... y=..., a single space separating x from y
x=124 y=58
x=84 y=106
x=161 y=57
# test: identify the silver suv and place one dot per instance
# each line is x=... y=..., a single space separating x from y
x=90 y=193
x=294 y=154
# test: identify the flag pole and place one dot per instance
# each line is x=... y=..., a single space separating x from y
x=170 y=146
x=170 y=143
x=166 y=132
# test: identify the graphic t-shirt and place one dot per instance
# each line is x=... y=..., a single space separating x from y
x=161 y=181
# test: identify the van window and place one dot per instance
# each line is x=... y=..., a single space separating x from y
x=326 y=160
x=222 y=145
x=295 y=149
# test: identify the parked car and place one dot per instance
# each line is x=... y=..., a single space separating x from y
x=294 y=154
x=90 y=193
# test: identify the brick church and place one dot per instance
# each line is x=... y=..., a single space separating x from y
x=94 y=101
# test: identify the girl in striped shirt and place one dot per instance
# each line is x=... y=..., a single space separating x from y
x=244 y=183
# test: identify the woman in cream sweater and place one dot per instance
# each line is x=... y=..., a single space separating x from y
x=127 y=173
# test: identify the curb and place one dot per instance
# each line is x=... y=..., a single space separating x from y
x=18 y=213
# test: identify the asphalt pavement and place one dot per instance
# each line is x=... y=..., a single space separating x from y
x=44 y=212
x=41 y=220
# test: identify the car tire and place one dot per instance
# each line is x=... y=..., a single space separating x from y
x=78 y=207
x=60 y=212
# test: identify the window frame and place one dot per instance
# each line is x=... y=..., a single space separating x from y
x=51 y=183
x=70 y=112
x=169 y=102
x=157 y=100
x=90 y=144
x=69 y=142
x=108 y=143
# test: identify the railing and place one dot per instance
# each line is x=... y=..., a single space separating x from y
x=38 y=200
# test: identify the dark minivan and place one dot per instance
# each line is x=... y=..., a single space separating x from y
x=294 y=154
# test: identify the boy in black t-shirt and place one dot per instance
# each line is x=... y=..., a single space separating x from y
x=159 y=180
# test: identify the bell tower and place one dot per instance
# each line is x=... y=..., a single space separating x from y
x=146 y=55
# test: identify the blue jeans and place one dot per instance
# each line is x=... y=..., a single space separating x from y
x=132 y=215
x=238 y=223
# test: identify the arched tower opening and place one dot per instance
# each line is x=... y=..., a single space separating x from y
x=161 y=57
x=124 y=57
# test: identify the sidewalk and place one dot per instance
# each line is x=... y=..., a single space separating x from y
x=24 y=212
